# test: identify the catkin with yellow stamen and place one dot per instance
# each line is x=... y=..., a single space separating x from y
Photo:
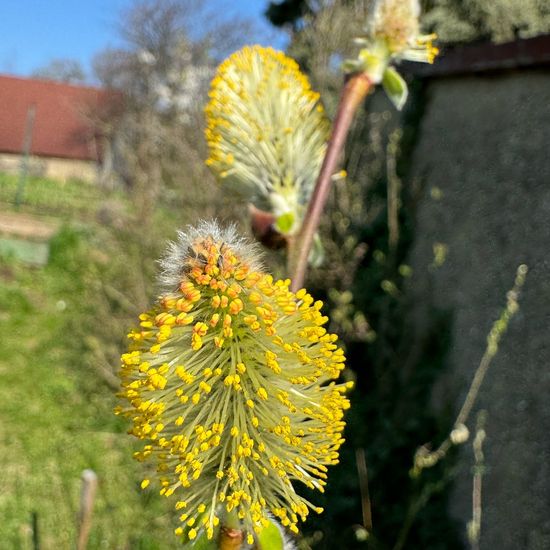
x=393 y=34
x=396 y=22
x=266 y=131
x=236 y=407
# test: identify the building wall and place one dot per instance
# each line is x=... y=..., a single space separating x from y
x=483 y=159
x=51 y=167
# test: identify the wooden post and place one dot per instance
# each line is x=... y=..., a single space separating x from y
x=35 y=534
x=27 y=142
x=87 y=497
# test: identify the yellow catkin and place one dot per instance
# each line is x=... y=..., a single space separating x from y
x=394 y=34
x=235 y=421
x=266 y=131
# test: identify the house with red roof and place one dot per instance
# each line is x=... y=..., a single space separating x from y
x=54 y=123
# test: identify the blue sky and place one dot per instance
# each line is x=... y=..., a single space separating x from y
x=33 y=32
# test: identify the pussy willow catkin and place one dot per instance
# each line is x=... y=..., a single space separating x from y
x=229 y=381
x=266 y=130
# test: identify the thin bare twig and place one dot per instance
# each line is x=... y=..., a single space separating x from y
x=424 y=458
x=415 y=506
x=364 y=488
x=474 y=526
x=35 y=531
x=394 y=189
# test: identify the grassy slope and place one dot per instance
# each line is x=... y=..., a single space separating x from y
x=47 y=196
x=56 y=420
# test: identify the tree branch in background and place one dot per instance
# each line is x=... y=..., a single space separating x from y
x=474 y=526
x=424 y=458
x=394 y=190
x=62 y=70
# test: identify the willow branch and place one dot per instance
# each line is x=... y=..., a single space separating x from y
x=355 y=90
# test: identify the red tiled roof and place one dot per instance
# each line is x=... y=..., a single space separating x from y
x=61 y=126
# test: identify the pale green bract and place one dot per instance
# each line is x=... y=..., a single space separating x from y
x=393 y=35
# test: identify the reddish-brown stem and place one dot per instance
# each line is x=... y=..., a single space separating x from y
x=355 y=90
x=231 y=533
x=231 y=539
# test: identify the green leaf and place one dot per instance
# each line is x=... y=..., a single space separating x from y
x=270 y=538
x=395 y=87
x=285 y=223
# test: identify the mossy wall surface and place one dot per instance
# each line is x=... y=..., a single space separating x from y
x=483 y=158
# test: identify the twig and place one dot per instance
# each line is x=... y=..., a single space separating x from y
x=394 y=188
x=364 y=488
x=87 y=497
x=108 y=377
x=126 y=303
x=414 y=508
x=474 y=526
x=424 y=458
x=101 y=363
x=355 y=90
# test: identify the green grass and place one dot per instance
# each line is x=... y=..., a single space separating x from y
x=46 y=196
x=54 y=424
x=56 y=411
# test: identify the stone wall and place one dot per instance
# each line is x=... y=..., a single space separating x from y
x=483 y=158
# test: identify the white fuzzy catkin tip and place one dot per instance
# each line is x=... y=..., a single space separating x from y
x=188 y=246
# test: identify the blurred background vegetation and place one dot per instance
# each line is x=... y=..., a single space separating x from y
x=63 y=326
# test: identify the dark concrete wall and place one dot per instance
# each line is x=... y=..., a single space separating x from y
x=483 y=155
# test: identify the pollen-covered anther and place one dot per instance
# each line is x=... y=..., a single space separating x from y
x=183 y=305
x=184 y=319
x=214 y=319
x=200 y=328
x=236 y=306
